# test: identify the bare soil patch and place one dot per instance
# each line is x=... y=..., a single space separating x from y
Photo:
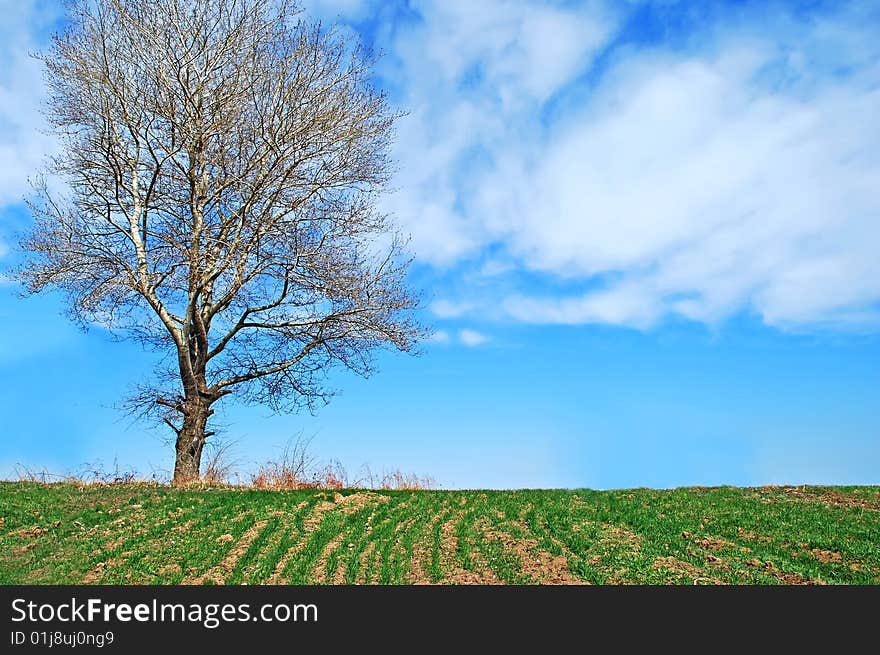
x=541 y=566
x=682 y=569
x=221 y=571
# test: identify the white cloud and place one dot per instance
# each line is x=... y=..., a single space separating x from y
x=443 y=308
x=440 y=336
x=23 y=142
x=23 y=145
x=471 y=75
x=472 y=337
x=708 y=196
x=630 y=305
x=466 y=337
x=737 y=176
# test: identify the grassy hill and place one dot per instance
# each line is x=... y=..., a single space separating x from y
x=146 y=534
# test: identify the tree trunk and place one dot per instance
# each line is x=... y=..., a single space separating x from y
x=191 y=441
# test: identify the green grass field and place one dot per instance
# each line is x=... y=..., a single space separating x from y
x=150 y=534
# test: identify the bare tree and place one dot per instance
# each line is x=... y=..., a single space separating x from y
x=221 y=162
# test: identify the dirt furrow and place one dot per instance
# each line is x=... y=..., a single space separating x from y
x=219 y=573
x=539 y=565
x=454 y=573
x=346 y=504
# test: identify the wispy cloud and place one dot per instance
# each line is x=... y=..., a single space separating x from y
x=465 y=337
x=440 y=336
x=444 y=308
x=472 y=76
x=472 y=338
x=623 y=305
x=705 y=194
x=570 y=169
x=735 y=173
x=23 y=143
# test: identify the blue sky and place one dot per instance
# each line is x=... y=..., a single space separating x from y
x=646 y=234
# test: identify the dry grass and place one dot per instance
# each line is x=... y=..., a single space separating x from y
x=401 y=481
x=91 y=473
x=296 y=468
x=217 y=463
